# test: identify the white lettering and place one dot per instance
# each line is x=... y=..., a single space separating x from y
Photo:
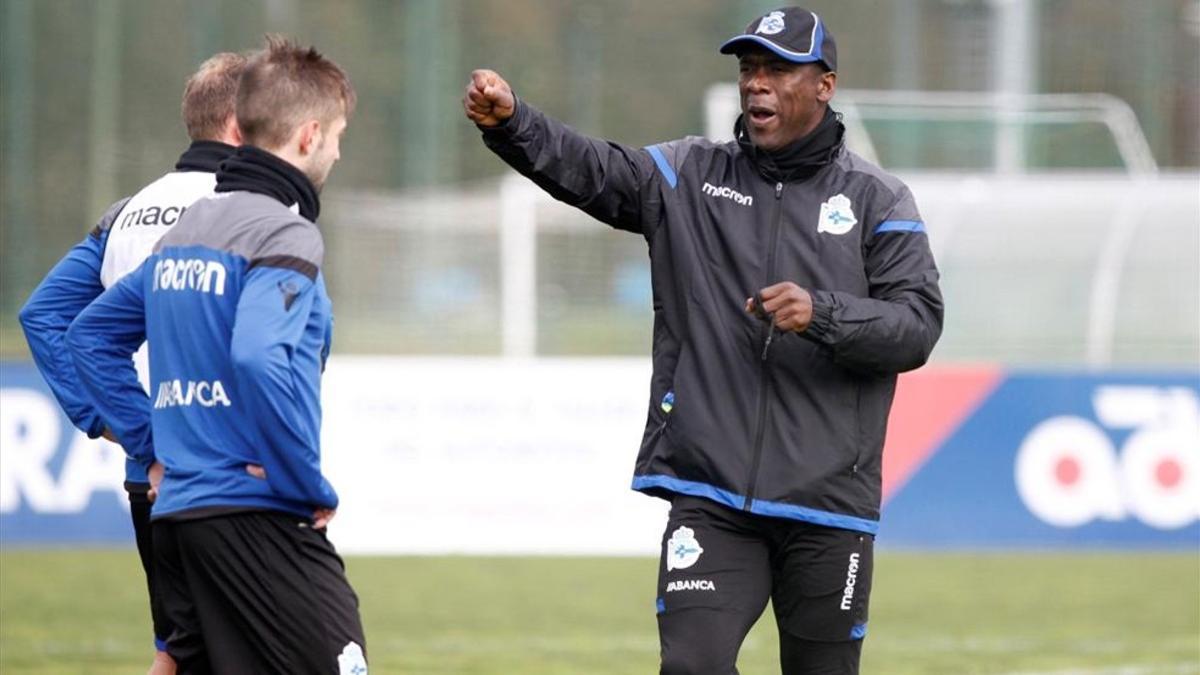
x=728 y=193
x=215 y=274
x=851 y=579
x=1070 y=473
x=175 y=393
x=180 y=277
x=218 y=394
x=691 y=585
x=192 y=274
x=30 y=431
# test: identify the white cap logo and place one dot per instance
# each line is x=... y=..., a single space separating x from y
x=771 y=24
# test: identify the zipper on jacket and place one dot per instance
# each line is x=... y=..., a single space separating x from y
x=763 y=364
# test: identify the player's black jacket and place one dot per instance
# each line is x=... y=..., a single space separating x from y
x=790 y=425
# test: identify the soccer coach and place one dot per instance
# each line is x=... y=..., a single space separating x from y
x=234 y=303
x=792 y=281
x=119 y=243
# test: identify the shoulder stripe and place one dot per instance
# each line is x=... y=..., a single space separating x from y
x=900 y=226
x=287 y=262
x=109 y=217
x=663 y=165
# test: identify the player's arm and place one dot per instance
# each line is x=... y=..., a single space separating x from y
x=67 y=289
x=101 y=342
x=606 y=180
x=895 y=328
x=272 y=315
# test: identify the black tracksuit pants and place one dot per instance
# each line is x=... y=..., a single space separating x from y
x=139 y=512
x=719 y=567
x=256 y=592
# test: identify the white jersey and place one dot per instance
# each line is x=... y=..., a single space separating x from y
x=145 y=218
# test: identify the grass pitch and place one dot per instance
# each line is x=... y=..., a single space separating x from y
x=66 y=612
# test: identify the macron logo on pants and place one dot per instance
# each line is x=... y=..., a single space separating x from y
x=851 y=578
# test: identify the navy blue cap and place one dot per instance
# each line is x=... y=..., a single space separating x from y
x=794 y=33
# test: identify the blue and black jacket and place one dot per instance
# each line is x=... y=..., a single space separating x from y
x=782 y=425
x=234 y=306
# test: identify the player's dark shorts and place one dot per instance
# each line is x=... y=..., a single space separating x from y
x=257 y=592
x=139 y=513
x=718 y=568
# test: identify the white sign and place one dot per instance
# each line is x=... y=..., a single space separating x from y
x=507 y=456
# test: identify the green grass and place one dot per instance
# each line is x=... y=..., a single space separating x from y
x=67 y=612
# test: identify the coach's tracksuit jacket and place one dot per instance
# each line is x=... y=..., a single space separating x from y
x=233 y=304
x=116 y=246
x=784 y=425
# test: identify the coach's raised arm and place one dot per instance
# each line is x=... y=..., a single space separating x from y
x=605 y=179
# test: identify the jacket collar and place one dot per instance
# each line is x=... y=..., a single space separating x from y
x=256 y=170
x=799 y=159
x=203 y=156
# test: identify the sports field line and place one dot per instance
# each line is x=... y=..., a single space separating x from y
x=1162 y=669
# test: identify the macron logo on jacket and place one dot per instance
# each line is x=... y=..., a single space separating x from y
x=728 y=193
x=152 y=215
x=206 y=276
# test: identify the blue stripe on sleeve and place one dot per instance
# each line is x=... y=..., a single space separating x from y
x=663 y=165
x=858 y=632
x=900 y=226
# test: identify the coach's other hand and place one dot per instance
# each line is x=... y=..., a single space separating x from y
x=788 y=303
x=489 y=100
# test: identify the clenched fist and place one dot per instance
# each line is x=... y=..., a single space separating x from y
x=489 y=100
x=789 y=305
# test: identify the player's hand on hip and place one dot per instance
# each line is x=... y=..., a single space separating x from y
x=163 y=664
x=155 y=474
x=788 y=303
x=321 y=518
x=489 y=100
